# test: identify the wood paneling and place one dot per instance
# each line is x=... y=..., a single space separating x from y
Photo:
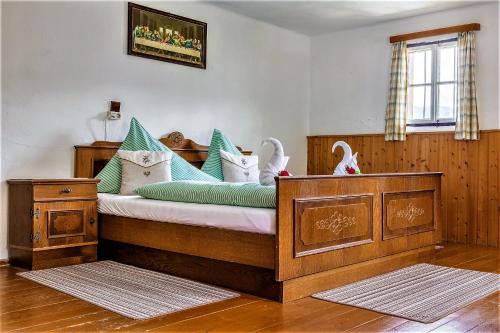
x=470 y=185
x=330 y=197
x=408 y=213
x=327 y=224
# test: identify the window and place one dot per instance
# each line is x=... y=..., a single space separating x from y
x=432 y=83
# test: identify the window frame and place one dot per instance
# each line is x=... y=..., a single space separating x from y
x=434 y=84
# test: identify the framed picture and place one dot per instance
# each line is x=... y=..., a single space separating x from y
x=167 y=37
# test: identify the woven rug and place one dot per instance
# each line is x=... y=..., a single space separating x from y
x=130 y=291
x=423 y=292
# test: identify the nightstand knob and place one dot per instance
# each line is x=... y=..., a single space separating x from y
x=92 y=221
x=66 y=190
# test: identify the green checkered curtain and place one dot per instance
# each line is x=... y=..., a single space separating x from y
x=395 y=116
x=467 y=125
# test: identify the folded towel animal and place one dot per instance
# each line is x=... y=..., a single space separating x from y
x=277 y=162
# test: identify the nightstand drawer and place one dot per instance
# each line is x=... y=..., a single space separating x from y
x=48 y=192
x=63 y=223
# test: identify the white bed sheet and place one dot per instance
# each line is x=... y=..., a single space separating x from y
x=257 y=220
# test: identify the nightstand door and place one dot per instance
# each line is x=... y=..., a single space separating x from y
x=62 y=223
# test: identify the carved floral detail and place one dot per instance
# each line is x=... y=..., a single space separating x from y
x=336 y=223
x=410 y=213
x=176 y=138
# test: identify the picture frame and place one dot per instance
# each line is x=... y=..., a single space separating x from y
x=163 y=36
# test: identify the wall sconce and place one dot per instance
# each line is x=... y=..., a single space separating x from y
x=114 y=111
x=113 y=114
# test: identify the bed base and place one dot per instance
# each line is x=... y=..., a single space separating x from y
x=245 y=278
x=221 y=244
x=329 y=231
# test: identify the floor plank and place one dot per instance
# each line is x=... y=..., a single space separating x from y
x=29 y=307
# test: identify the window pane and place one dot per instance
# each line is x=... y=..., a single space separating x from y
x=417 y=63
x=428 y=66
x=447 y=63
x=420 y=103
x=428 y=100
x=420 y=66
x=446 y=101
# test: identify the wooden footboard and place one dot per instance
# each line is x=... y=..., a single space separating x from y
x=326 y=222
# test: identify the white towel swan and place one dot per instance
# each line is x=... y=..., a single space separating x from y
x=277 y=162
x=349 y=160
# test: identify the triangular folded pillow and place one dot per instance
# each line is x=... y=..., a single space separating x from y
x=213 y=164
x=139 y=139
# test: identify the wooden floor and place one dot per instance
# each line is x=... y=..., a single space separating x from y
x=28 y=307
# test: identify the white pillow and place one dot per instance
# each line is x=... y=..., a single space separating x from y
x=143 y=167
x=239 y=168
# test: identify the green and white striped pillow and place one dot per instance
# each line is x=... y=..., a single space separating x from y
x=231 y=194
x=139 y=139
x=213 y=164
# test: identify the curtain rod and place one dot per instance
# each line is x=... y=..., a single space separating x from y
x=436 y=32
x=441 y=41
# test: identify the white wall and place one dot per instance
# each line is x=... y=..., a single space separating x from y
x=350 y=71
x=66 y=61
x=3 y=226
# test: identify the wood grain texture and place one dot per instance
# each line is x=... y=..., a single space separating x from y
x=328 y=224
x=408 y=213
x=50 y=225
x=214 y=243
x=436 y=32
x=470 y=203
x=28 y=307
x=325 y=197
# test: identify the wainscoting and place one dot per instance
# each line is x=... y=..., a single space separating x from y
x=470 y=185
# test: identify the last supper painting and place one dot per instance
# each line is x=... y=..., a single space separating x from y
x=167 y=37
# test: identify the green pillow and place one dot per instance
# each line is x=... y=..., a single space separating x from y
x=139 y=139
x=219 y=193
x=213 y=164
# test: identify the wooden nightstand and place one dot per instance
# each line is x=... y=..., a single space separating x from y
x=52 y=222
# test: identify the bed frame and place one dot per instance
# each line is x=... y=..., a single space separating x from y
x=330 y=231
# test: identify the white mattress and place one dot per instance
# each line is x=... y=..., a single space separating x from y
x=258 y=220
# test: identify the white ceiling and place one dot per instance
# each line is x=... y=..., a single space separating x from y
x=319 y=17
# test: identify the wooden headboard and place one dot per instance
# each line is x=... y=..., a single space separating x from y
x=90 y=159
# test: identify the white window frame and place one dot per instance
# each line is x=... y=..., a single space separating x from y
x=434 y=121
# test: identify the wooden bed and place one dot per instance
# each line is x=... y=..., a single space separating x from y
x=329 y=231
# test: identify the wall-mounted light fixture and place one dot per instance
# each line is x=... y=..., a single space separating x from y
x=114 y=111
x=113 y=114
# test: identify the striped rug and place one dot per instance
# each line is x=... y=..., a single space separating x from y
x=423 y=292
x=130 y=291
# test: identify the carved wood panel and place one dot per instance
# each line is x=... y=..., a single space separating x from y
x=407 y=213
x=65 y=223
x=328 y=224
